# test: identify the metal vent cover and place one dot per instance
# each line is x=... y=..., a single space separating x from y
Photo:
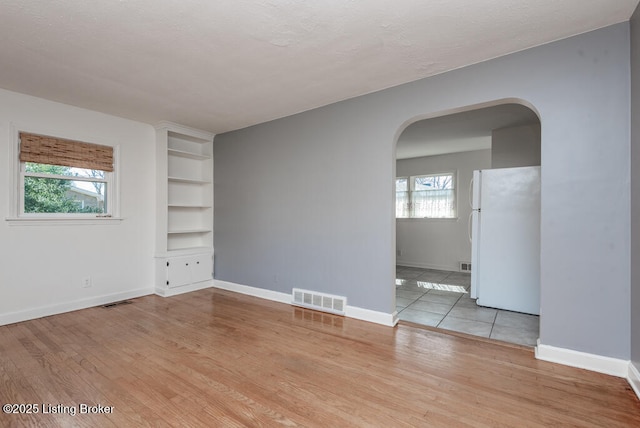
x=465 y=266
x=319 y=301
x=122 y=302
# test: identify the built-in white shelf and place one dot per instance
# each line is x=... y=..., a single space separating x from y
x=184 y=238
x=188 y=180
x=188 y=155
x=186 y=231
x=189 y=206
x=183 y=252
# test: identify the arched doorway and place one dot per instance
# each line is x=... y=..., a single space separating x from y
x=435 y=160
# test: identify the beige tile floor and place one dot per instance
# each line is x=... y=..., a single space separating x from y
x=441 y=299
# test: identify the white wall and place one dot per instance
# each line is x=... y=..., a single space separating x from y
x=634 y=367
x=439 y=243
x=41 y=265
x=516 y=146
x=308 y=200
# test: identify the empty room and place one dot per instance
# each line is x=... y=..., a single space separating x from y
x=266 y=213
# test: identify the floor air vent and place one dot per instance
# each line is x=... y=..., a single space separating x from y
x=465 y=266
x=319 y=301
x=111 y=305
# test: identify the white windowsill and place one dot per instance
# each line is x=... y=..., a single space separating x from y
x=410 y=219
x=50 y=221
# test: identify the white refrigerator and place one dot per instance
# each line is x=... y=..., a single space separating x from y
x=505 y=239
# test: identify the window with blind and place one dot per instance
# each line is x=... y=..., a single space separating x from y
x=426 y=196
x=64 y=178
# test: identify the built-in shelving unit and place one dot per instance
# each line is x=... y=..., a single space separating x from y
x=184 y=235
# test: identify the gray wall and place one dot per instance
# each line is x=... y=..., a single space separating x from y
x=307 y=200
x=516 y=146
x=635 y=188
x=439 y=243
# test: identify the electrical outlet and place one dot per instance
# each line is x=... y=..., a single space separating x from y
x=86 y=282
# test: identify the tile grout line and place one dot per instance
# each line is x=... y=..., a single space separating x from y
x=493 y=324
x=425 y=293
x=411 y=302
x=450 y=309
x=458 y=301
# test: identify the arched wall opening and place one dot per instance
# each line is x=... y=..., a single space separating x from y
x=435 y=157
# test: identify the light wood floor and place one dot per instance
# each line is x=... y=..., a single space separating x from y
x=215 y=358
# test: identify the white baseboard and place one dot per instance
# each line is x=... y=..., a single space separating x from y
x=60 y=308
x=634 y=379
x=390 y=320
x=400 y=262
x=168 y=292
x=276 y=296
x=597 y=363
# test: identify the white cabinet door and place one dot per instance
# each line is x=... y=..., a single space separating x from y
x=201 y=267
x=179 y=271
x=188 y=269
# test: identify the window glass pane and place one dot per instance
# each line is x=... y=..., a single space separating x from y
x=51 y=195
x=402 y=197
x=429 y=196
x=401 y=185
x=433 y=204
x=423 y=183
x=90 y=173
x=40 y=168
x=433 y=182
x=402 y=204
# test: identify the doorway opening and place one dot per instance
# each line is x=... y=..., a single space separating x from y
x=435 y=161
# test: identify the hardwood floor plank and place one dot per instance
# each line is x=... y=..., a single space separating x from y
x=217 y=358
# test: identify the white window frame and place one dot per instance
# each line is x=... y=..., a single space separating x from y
x=411 y=189
x=17 y=216
x=408 y=191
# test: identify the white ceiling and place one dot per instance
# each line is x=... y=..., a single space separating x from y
x=223 y=65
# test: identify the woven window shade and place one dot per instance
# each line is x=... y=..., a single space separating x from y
x=58 y=151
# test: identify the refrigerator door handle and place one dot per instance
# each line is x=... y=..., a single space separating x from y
x=469 y=225
x=471 y=194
